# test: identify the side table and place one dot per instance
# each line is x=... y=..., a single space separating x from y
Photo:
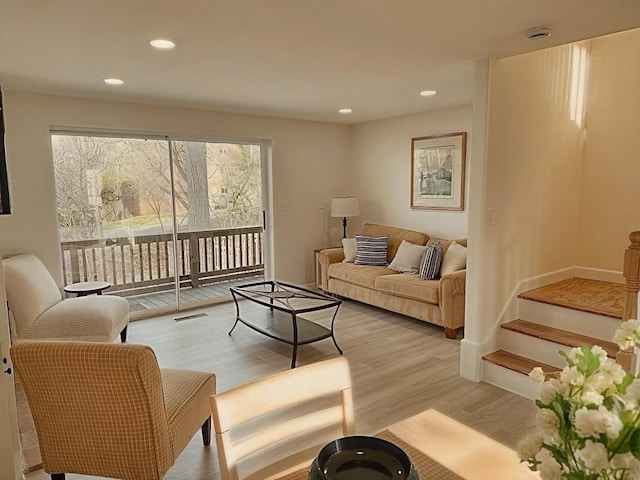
x=83 y=289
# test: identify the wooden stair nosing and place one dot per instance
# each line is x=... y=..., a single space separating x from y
x=517 y=363
x=557 y=335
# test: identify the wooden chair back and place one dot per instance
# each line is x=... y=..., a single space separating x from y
x=270 y=400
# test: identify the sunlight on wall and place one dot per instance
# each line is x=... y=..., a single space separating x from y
x=578 y=86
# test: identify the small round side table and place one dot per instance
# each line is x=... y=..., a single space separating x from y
x=83 y=289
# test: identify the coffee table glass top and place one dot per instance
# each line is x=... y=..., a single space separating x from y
x=281 y=310
x=285 y=296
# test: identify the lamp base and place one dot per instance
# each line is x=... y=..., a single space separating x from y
x=344 y=227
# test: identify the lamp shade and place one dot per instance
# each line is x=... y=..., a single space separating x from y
x=345 y=207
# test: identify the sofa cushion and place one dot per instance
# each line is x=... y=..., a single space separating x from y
x=363 y=275
x=349 y=249
x=396 y=235
x=409 y=285
x=431 y=262
x=407 y=259
x=454 y=259
x=371 y=250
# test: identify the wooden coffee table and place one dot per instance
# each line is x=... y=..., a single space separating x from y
x=282 y=317
x=83 y=289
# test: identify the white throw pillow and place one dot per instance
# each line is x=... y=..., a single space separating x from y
x=349 y=249
x=455 y=258
x=408 y=257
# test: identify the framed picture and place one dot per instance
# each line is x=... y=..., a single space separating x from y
x=437 y=171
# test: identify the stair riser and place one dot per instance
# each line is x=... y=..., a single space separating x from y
x=532 y=347
x=509 y=380
x=598 y=326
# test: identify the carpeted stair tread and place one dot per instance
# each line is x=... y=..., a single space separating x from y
x=516 y=363
x=586 y=295
x=556 y=335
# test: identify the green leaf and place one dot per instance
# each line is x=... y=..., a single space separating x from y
x=588 y=362
x=634 y=443
x=626 y=381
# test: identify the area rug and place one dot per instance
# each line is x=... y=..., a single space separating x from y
x=426 y=466
x=592 y=296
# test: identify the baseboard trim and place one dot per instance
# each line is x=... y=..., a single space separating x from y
x=470 y=367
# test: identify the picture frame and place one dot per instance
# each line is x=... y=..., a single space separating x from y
x=438 y=171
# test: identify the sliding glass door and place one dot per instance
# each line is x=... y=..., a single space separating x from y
x=168 y=223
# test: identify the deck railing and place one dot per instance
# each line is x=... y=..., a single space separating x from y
x=145 y=264
x=631 y=273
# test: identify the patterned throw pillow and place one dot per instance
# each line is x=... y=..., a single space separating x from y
x=371 y=250
x=431 y=261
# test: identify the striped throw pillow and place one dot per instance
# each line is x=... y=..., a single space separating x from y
x=431 y=261
x=371 y=250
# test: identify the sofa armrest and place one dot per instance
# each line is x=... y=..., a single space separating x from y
x=325 y=258
x=452 y=298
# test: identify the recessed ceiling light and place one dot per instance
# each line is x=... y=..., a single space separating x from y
x=345 y=111
x=162 y=44
x=113 y=81
x=428 y=93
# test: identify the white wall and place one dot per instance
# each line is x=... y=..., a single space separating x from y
x=381 y=170
x=563 y=195
x=308 y=159
x=532 y=175
x=610 y=202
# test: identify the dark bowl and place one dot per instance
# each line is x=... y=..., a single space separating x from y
x=362 y=458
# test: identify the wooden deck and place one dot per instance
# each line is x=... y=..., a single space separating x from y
x=214 y=292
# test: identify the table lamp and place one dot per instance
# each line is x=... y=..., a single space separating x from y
x=345 y=207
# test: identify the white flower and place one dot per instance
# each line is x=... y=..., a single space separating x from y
x=628 y=462
x=613 y=369
x=591 y=397
x=631 y=397
x=529 y=446
x=537 y=374
x=595 y=456
x=548 y=391
x=571 y=376
x=599 y=352
x=628 y=335
x=548 y=421
x=549 y=469
x=591 y=423
x=603 y=381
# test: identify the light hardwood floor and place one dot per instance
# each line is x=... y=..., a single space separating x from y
x=399 y=367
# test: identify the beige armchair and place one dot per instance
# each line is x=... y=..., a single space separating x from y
x=106 y=409
x=38 y=311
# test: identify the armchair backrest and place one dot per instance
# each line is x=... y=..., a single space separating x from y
x=30 y=288
x=98 y=408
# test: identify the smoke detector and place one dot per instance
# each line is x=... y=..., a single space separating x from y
x=536 y=33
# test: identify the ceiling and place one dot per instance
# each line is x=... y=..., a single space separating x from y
x=300 y=59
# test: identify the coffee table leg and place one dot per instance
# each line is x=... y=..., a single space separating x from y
x=294 y=355
x=234 y=326
x=336 y=343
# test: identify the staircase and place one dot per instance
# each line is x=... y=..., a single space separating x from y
x=559 y=316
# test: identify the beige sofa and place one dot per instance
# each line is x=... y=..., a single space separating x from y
x=439 y=301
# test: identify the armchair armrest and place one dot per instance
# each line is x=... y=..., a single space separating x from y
x=325 y=258
x=452 y=298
